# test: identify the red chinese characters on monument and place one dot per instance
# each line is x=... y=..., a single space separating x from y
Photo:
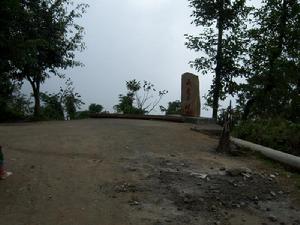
x=190 y=100
x=188 y=89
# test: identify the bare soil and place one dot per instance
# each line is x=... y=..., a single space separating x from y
x=127 y=172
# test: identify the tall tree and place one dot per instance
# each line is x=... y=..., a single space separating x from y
x=9 y=18
x=6 y=90
x=9 y=36
x=222 y=43
x=273 y=84
x=49 y=38
x=12 y=102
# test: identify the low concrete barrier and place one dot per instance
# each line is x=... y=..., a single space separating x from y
x=288 y=159
x=138 y=117
x=171 y=118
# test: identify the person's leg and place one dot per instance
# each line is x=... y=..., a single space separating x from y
x=4 y=174
x=2 y=171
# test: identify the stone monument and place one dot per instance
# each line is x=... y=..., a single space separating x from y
x=190 y=95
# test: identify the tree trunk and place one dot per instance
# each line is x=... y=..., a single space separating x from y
x=224 y=142
x=217 y=81
x=295 y=105
x=37 y=102
x=35 y=84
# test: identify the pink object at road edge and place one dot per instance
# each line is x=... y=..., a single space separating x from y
x=3 y=173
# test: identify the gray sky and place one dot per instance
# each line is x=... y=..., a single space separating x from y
x=127 y=39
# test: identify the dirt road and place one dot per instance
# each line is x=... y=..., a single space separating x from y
x=122 y=172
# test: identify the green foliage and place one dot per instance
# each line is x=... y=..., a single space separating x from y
x=235 y=116
x=8 y=10
x=133 y=86
x=223 y=48
x=79 y=115
x=273 y=68
x=42 y=38
x=71 y=99
x=126 y=105
x=6 y=89
x=279 y=134
x=95 y=108
x=13 y=105
x=19 y=105
x=10 y=15
x=140 y=98
x=173 y=108
x=52 y=108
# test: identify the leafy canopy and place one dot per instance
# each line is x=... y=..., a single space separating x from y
x=221 y=43
x=140 y=98
x=95 y=108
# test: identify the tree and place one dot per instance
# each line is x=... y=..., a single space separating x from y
x=222 y=42
x=126 y=105
x=6 y=90
x=13 y=104
x=273 y=81
x=225 y=145
x=140 y=99
x=10 y=17
x=173 y=108
x=8 y=46
x=95 y=108
x=71 y=99
x=49 y=38
x=52 y=108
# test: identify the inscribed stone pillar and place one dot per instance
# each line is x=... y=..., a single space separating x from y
x=190 y=95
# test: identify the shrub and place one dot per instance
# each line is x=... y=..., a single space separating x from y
x=82 y=115
x=279 y=134
x=14 y=106
x=173 y=108
x=52 y=108
x=95 y=108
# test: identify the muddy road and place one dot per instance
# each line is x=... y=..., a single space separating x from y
x=122 y=172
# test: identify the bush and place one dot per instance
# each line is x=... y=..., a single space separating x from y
x=52 y=108
x=173 y=108
x=95 y=108
x=14 y=106
x=82 y=115
x=279 y=134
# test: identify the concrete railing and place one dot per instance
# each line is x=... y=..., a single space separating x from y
x=288 y=159
x=171 y=118
x=138 y=117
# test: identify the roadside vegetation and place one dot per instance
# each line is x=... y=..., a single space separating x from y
x=141 y=98
x=279 y=134
x=261 y=46
x=38 y=39
x=174 y=108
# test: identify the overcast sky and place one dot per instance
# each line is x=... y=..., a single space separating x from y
x=133 y=39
